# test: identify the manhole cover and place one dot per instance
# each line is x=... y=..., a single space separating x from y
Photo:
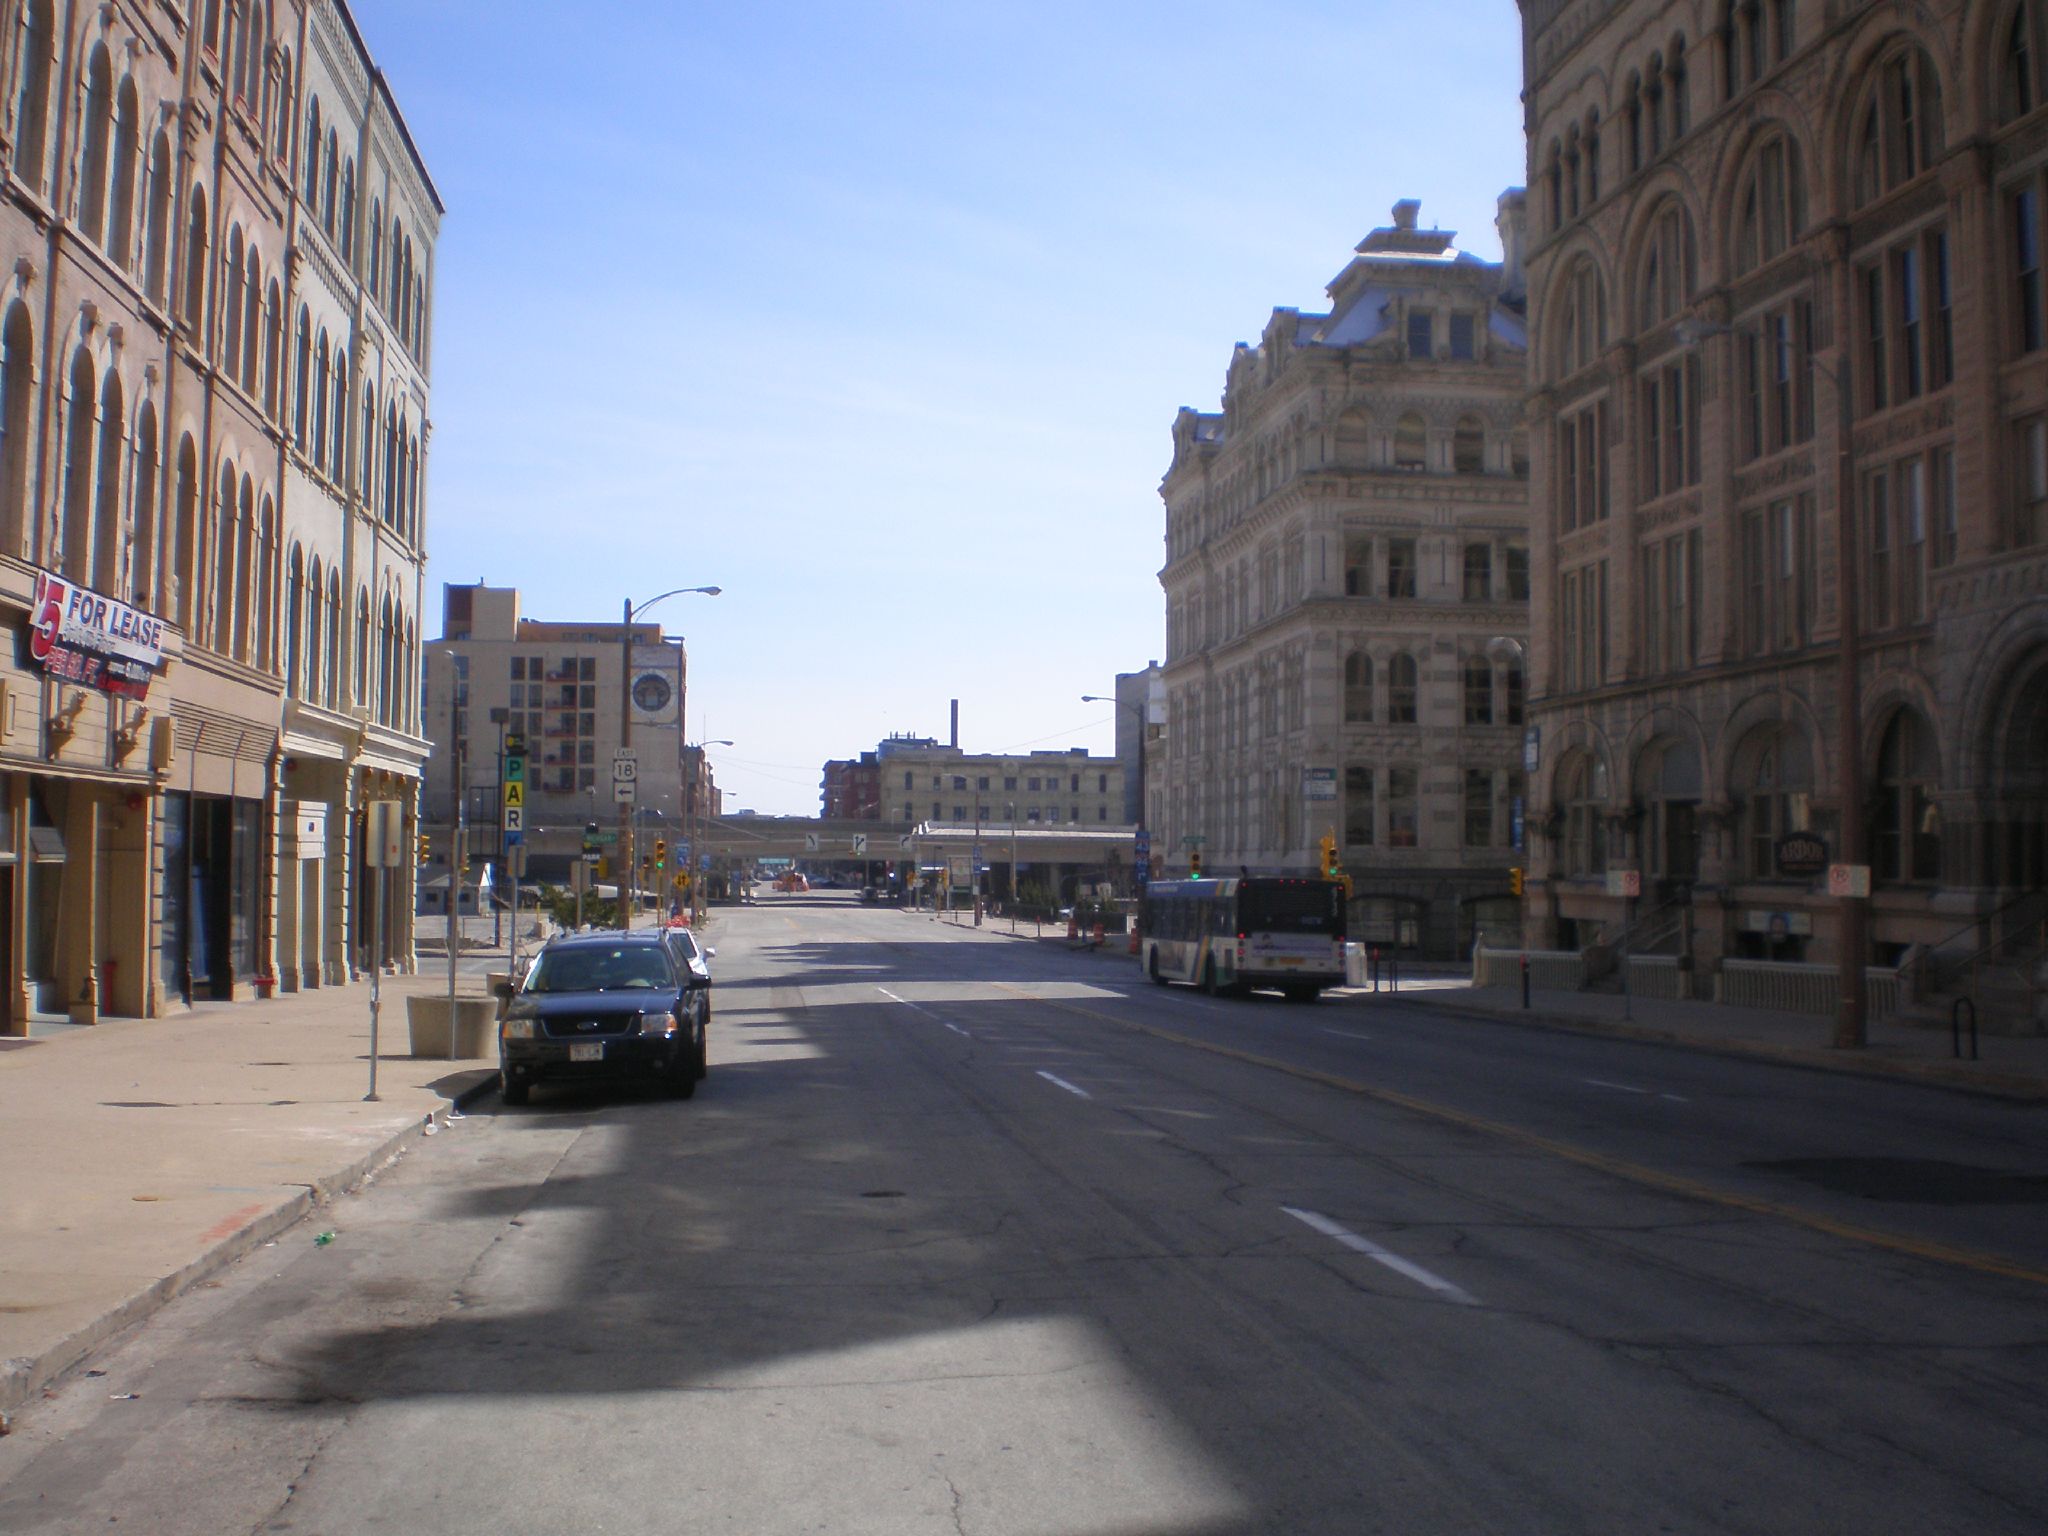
x=1914 y=1180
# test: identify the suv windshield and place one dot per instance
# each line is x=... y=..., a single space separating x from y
x=599 y=968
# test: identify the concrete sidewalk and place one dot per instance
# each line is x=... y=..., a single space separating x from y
x=142 y=1155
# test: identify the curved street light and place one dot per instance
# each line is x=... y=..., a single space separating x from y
x=633 y=611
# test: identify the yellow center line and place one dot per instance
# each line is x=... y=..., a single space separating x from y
x=1621 y=1168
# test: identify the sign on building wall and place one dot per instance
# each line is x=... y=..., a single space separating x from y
x=94 y=641
x=1319 y=784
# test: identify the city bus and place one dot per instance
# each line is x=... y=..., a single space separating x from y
x=1232 y=935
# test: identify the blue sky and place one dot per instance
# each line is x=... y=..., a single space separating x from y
x=877 y=316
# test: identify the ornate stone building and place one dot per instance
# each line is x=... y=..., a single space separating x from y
x=1347 y=578
x=1791 y=512
x=152 y=827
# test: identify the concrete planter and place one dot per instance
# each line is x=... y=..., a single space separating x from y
x=476 y=1027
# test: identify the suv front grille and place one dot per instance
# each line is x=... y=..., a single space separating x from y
x=590 y=1026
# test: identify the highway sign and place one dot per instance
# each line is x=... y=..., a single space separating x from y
x=810 y=842
x=625 y=769
x=622 y=791
x=860 y=845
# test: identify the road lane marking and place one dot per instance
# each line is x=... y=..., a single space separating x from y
x=1596 y=1082
x=1614 y=1167
x=1379 y=1255
x=1061 y=1082
x=915 y=1008
x=1348 y=1034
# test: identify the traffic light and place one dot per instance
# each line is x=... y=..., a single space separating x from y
x=426 y=851
x=660 y=853
x=1515 y=881
x=1195 y=864
x=1329 y=848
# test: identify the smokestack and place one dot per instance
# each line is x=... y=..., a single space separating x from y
x=955 y=742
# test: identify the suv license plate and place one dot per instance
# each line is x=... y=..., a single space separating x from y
x=594 y=1051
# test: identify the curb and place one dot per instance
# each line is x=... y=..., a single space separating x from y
x=24 y=1377
x=1938 y=1074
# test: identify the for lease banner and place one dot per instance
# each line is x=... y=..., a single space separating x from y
x=94 y=641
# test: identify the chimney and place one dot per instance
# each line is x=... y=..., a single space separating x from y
x=1512 y=220
x=955 y=742
x=1407 y=212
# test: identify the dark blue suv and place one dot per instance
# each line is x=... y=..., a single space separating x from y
x=605 y=1005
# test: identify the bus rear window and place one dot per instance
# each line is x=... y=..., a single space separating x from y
x=1306 y=908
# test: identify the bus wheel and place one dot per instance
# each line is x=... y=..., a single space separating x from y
x=1300 y=994
x=1152 y=967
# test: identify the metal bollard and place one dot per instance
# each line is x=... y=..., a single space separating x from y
x=1525 y=981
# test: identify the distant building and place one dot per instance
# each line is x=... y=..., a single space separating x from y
x=852 y=788
x=562 y=688
x=1347 y=584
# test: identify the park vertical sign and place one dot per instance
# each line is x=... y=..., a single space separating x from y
x=80 y=637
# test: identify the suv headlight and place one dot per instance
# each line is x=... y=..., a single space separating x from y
x=520 y=1027
x=657 y=1023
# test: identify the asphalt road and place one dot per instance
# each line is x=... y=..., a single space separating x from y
x=967 y=1234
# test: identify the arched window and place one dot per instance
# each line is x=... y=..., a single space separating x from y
x=302 y=382
x=311 y=152
x=1653 y=106
x=1669 y=784
x=362 y=678
x=348 y=210
x=333 y=677
x=212 y=31
x=121 y=201
x=182 y=558
x=109 y=536
x=397 y=267
x=1582 y=804
x=337 y=455
x=1582 y=320
x=1468 y=446
x=316 y=647
x=32 y=95
x=265 y=655
x=280 y=116
x=1553 y=180
x=17 y=398
x=1670 y=266
x=330 y=182
x=195 y=264
x=1401 y=689
x=1899 y=132
x=97 y=127
x=1905 y=825
x=226 y=546
x=231 y=305
x=366 y=485
x=80 y=431
x=1632 y=111
x=375 y=253
x=2019 y=79
x=244 y=78
x=1676 y=83
x=323 y=381
x=273 y=349
x=294 y=623
x=1774 y=775
x=156 y=233
x=1411 y=443
x=144 y=512
x=1574 y=172
x=1771 y=204
x=252 y=323
x=409 y=711
x=1593 y=156
x=390 y=485
x=243 y=597
x=386 y=662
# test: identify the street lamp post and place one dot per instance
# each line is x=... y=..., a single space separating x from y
x=1143 y=709
x=632 y=612
x=698 y=814
x=1852 y=1012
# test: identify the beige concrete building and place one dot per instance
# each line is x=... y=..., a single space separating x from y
x=560 y=687
x=1347 y=580
x=150 y=157
x=1791 y=378
x=931 y=782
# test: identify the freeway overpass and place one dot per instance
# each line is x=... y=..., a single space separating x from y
x=1048 y=851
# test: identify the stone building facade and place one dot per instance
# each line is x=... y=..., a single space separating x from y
x=1790 y=371
x=1346 y=583
x=151 y=835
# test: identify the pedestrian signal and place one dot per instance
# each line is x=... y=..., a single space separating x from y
x=1515 y=882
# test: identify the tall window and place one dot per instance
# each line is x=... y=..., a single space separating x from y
x=1905 y=841
x=1421 y=333
x=1463 y=332
x=1404 y=816
x=121 y=177
x=1518 y=573
x=1671 y=426
x=1899 y=132
x=2030 y=480
x=1401 y=690
x=1779 y=797
x=1582 y=320
x=1478 y=573
x=1400 y=568
x=1468 y=446
x=1478 y=688
x=1778 y=576
x=32 y=96
x=2025 y=206
x=1357 y=565
x=1582 y=624
x=1582 y=803
x=1582 y=467
x=1669 y=267
x=195 y=263
x=98 y=125
x=1776 y=383
x=156 y=216
x=2019 y=79
x=1671 y=603
x=1357 y=689
x=1772 y=204
x=1411 y=443
x=17 y=395
x=1479 y=808
x=1358 y=806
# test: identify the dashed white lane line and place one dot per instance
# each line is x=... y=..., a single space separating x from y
x=915 y=1008
x=1061 y=1082
x=1594 y=1082
x=1348 y=1034
x=1379 y=1255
